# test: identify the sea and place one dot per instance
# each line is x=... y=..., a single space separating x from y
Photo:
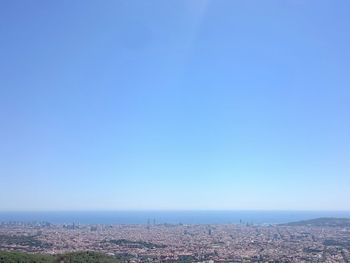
x=168 y=217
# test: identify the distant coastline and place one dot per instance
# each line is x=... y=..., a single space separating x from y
x=322 y=222
x=171 y=217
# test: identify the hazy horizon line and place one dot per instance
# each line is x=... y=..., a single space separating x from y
x=173 y=210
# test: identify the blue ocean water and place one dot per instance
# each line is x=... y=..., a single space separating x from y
x=170 y=217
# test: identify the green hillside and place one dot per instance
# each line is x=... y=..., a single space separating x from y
x=76 y=257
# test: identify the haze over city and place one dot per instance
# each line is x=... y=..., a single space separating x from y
x=174 y=105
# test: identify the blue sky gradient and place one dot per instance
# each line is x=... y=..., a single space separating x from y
x=109 y=105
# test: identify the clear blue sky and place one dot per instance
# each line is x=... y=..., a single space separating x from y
x=174 y=105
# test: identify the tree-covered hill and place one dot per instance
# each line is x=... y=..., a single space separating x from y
x=76 y=257
x=17 y=257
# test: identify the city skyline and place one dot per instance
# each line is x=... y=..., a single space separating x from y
x=176 y=105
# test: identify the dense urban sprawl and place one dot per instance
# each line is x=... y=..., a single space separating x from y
x=186 y=243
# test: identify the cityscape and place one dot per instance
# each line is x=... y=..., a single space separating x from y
x=153 y=242
x=174 y=131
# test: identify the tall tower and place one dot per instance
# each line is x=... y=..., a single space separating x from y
x=148 y=224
